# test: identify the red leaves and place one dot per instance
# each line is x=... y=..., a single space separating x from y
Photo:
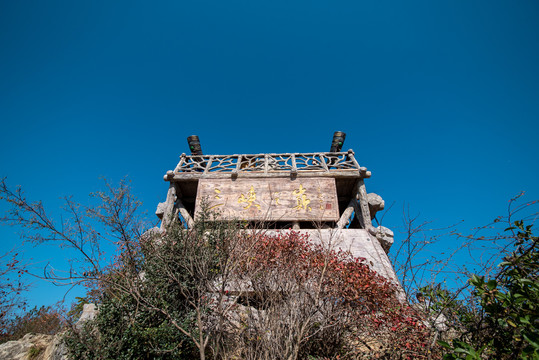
x=338 y=273
x=367 y=300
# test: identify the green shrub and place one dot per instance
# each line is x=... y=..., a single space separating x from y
x=34 y=352
x=508 y=325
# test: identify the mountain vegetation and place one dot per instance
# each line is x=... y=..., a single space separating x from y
x=221 y=291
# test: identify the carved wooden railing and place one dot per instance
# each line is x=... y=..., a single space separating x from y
x=268 y=165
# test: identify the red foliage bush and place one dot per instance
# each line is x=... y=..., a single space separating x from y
x=44 y=320
x=340 y=296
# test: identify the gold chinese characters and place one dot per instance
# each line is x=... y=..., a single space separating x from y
x=302 y=201
x=249 y=199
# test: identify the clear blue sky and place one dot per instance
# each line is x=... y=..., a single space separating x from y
x=439 y=99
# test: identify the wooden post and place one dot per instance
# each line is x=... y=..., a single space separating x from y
x=208 y=165
x=324 y=162
x=185 y=214
x=352 y=207
x=182 y=160
x=363 y=204
x=266 y=163
x=173 y=205
x=234 y=173
x=168 y=215
x=345 y=217
x=353 y=158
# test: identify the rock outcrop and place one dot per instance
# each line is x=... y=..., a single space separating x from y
x=376 y=203
x=384 y=236
x=34 y=347
x=89 y=312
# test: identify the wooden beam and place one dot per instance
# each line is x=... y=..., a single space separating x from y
x=353 y=158
x=294 y=170
x=352 y=208
x=363 y=204
x=208 y=165
x=345 y=217
x=260 y=174
x=168 y=215
x=234 y=173
x=184 y=213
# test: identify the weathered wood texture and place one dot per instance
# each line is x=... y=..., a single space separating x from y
x=184 y=213
x=260 y=174
x=341 y=164
x=351 y=208
x=168 y=214
x=363 y=205
x=305 y=199
x=345 y=217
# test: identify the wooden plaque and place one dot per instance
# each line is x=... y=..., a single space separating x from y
x=273 y=199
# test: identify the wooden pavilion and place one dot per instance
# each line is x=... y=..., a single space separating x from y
x=322 y=194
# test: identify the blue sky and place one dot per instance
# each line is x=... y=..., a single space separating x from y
x=439 y=99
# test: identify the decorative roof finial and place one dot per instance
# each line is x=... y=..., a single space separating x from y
x=194 y=145
x=338 y=141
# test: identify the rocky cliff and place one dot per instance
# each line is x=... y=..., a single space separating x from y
x=34 y=347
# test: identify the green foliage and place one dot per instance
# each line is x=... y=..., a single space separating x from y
x=121 y=331
x=34 y=352
x=461 y=350
x=171 y=301
x=126 y=328
x=438 y=301
x=77 y=307
x=150 y=297
x=508 y=325
x=212 y=291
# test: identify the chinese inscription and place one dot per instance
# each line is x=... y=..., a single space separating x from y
x=302 y=202
x=249 y=199
x=276 y=199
